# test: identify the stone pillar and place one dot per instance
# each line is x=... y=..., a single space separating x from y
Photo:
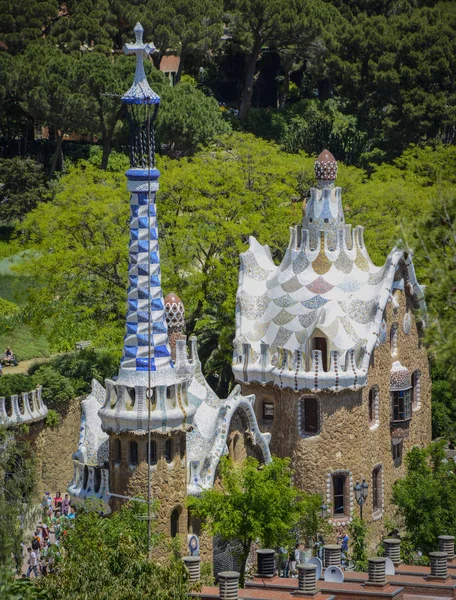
x=377 y=570
x=393 y=550
x=439 y=567
x=307 y=578
x=265 y=562
x=193 y=564
x=332 y=555
x=446 y=544
x=229 y=585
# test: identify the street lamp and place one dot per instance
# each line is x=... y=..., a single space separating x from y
x=361 y=490
x=323 y=511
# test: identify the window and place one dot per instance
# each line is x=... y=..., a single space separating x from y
x=182 y=447
x=377 y=488
x=97 y=480
x=339 y=493
x=133 y=453
x=169 y=451
x=373 y=407
x=319 y=343
x=310 y=416
x=416 y=390
x=153 y=452
x=393 y=339
x=117 y=450
x=86 y=477
x=397 y=452
x=402 y=405
x=175 y=522
x=268 y=411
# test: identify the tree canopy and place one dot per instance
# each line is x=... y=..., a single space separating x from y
x=253 y=503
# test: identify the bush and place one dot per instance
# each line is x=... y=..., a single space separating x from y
x=15 y=384
x=81 y=367
x=52 y=418
x=56 y=388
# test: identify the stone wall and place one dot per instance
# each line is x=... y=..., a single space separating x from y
x=347 y=441
x=54 y=447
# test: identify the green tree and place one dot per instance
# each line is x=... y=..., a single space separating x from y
x=187 y=119
x=22 y=187
x=191 y=29
x=79 y=247
x=108 y=558
x=17 y=479
x=23 y=22
x=357 y=530
x=253 y=503
x=424 y=496
x=51 y=94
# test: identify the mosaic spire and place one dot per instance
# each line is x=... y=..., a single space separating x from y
x=146 y=345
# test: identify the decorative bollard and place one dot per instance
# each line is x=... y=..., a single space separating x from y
x=439 y=567
x=393 y=550
x=446 y=544
x=307 y=578
x=229 y=585
x=265 y=563
x=193 y=564
x=376 y=570
x=332 y=555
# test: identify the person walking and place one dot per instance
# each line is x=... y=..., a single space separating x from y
x=32 y=562
x=58 y=501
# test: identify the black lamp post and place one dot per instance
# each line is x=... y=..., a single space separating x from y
x=323 y=511
x=361 y=490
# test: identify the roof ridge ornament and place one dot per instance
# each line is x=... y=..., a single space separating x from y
x=140 y=92
x=325 y=169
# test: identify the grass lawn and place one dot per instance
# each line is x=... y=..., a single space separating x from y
x=13 y=287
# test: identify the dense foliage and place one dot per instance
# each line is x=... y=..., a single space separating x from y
x=108 y=559
x=424 y=496
x=252 y=503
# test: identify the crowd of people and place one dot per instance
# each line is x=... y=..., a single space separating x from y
x=44 y=552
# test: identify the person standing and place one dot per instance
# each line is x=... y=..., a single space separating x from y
x=66 y=505
x=32 y=562
x=58 y=501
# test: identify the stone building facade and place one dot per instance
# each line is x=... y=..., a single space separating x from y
x=330 y=346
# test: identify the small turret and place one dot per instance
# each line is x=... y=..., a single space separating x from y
x=323 y=211
x=175 y=319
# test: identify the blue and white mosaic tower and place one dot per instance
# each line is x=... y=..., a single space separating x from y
x=143 y=341
x=149 y=393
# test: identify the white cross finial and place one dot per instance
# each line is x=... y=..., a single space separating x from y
x=140 y=92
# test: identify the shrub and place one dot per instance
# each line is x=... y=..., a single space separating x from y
x=15 y=384
x=56 y=388
x=52 y=418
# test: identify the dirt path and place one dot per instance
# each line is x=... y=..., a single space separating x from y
x=23 y=366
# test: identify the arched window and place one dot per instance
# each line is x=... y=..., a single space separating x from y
x=133 y=453
x=117 y=451
x=86 y=477
x=320 y=343
x=153 y=452
x=393 y=339
x=182 y=447
x=309 y=416
x=416 y=390
x=175 y=522
x=169 y=451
